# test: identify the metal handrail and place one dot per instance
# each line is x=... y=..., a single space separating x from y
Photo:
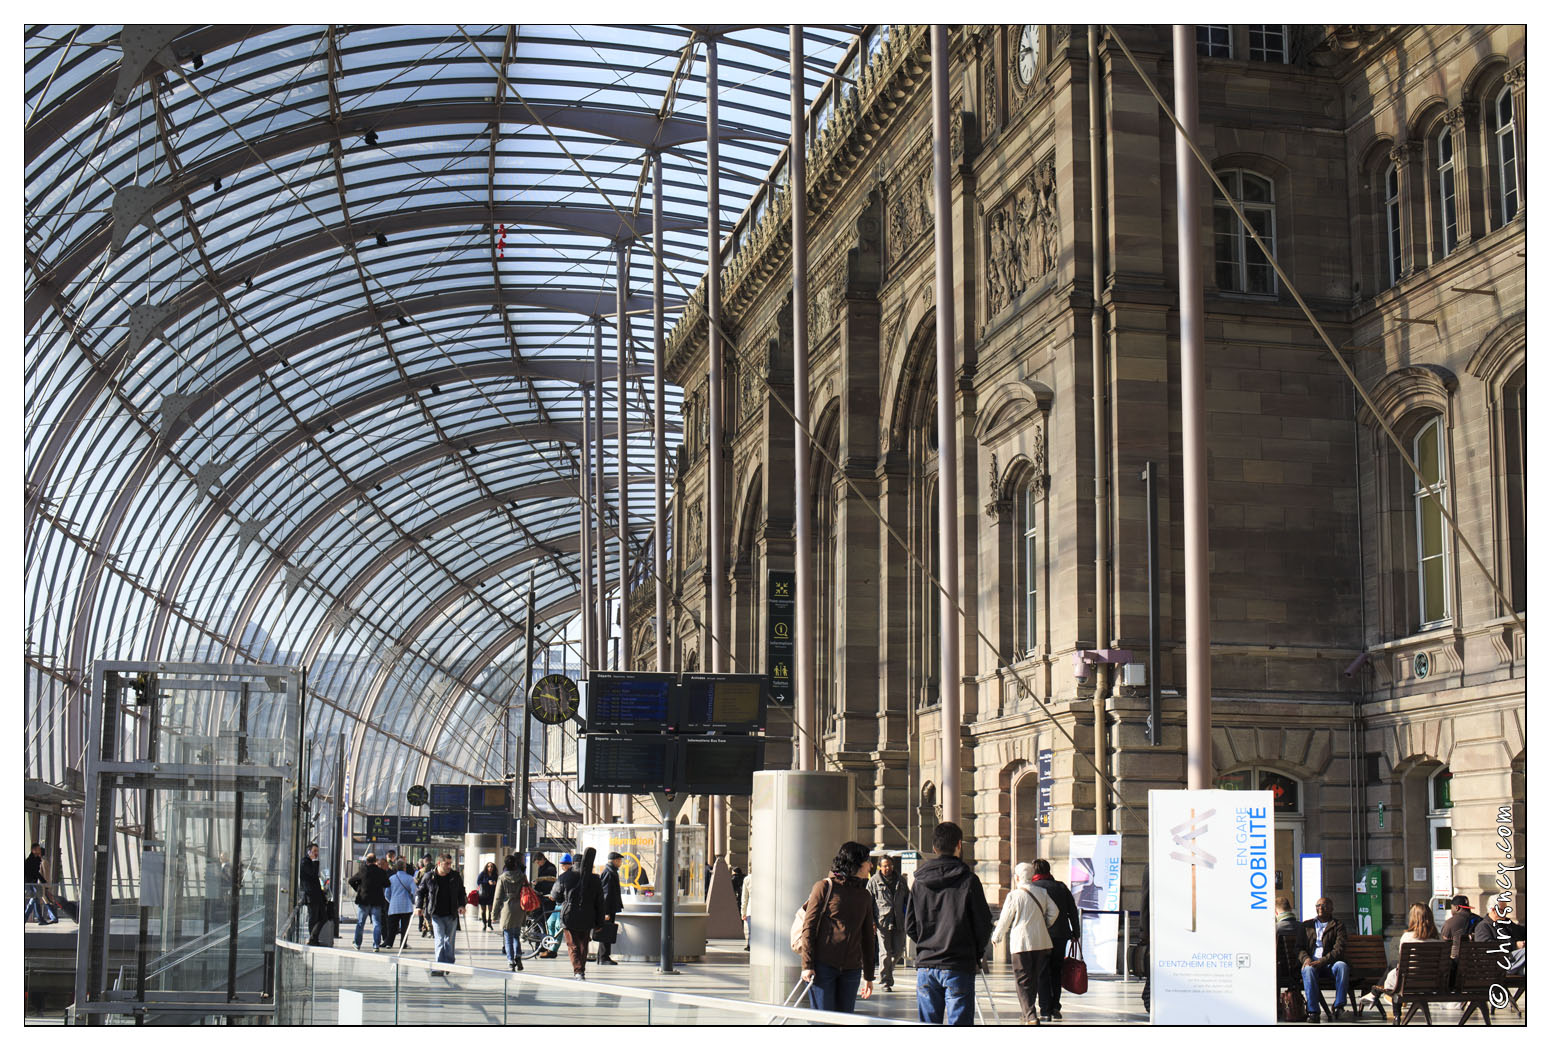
x=766 y=1013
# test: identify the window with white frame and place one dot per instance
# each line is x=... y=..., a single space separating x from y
x=1214 y=41
x=1447 y=217
x=1392 y=221
x=1268 y=43
x=1241 y=266
x=1507 y=156
x=1432 y=536
x=1028 y=569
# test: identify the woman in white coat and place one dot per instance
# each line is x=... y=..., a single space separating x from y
x=1025 y=922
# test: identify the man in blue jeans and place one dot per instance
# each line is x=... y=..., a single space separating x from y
x=1324 y=950
x=950 y=923
x=442 y=898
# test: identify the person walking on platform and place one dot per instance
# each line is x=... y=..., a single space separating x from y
x=839 y=936
x=35 y=877
x=401 y=902
x=950 y=923
x=1062 y=933
x=544 y=876
x=507 y=909
x=891 y=896
x=579 y=893
x=312 y=893
x=421 y=875
x=613 y=902
x=1025 y=923
x=371 y=898
x=443 y=898
x=486 y=884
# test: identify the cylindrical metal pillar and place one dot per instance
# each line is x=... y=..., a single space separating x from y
x=1192 y=383
x=714 y=523
x=589 y=600
x=947 y=443
x=1101 y=639
x=797 y=166
x=715 y=531
x=659 y=414
x=600 y=474
x=622 y=331
x=521 y=841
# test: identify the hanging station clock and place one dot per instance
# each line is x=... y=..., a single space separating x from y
x=554 y=699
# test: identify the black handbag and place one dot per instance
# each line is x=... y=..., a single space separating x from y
x=607 y=933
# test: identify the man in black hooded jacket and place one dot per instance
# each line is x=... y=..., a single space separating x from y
x=950 y=923
x=579 y=893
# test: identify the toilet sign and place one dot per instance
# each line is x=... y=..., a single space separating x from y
x=780 y=649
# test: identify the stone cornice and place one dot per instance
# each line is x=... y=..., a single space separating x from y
x=885 y=85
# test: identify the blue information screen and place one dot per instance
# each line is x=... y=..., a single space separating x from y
x=450 y=797
x=730 y=703
x=489 y=823
x=628 y=702
x=449 y=824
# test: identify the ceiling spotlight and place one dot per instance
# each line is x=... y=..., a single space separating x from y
x=371 y=138
x=403 y=320
x=198 y=60
x=215 y=185
x=382 y=240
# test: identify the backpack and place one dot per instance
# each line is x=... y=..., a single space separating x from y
x=528 y=899
x=802 y=914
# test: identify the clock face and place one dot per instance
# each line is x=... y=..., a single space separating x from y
x=553 y=699
x=1028 y=52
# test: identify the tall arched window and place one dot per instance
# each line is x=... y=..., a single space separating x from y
x=1507 y=156
x=1447 y=215
x=1392 y=221
x=1028 y=568
x=1241 y=266
x=1432 y=536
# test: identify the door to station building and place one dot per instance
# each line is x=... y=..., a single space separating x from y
x=1440 y=843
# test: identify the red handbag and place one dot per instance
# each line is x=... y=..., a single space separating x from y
x=473 y=898
x=1074 y=972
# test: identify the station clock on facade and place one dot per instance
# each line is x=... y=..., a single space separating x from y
x=1028 y=53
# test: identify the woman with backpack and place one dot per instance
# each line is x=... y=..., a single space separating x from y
x=839 y=936
x=513 y=898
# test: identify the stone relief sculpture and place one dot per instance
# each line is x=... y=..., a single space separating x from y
x=1024 y=239
x=910 y=210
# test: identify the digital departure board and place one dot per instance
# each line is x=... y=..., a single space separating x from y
x=414 y=830
x=489 y=823
x=626 y=702
x=626 y=762
x=720 y=766
x=489 y=797
x=723 y=703
x=449 y=797
x=382 y=828
x=449 y=824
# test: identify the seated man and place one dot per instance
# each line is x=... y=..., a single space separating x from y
x=1324 y=951
x=1509 y=939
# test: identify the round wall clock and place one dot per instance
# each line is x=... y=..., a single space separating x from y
x=553 y=699
x=1028 y=53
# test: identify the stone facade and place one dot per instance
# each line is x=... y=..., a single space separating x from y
x=1324 y=679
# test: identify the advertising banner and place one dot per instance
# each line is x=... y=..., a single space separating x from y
x=1094 y=878
x=1213 y=952
x=1370 y=900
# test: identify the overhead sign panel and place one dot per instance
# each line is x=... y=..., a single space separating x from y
x=414 y=830
x=449 y=797
x=625 y=762
x=780 y=645
x=489 y=822
x=721 y=766
x=724 y=703
x=489 y=797
x=382 y=828
x=449 y=824
x=1213 y=949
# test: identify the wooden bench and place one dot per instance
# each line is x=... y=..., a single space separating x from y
x=1422 y=978
x=1475 y=972
x=1366 y=966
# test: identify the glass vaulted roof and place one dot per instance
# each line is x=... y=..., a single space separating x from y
x=308 y=310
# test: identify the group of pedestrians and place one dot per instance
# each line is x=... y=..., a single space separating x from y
x=853 y=931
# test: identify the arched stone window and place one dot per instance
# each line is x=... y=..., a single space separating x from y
x=1240 y=264
x=1445 y=148
x=1505 y=155
x=1429 y=493
x=1393 y=225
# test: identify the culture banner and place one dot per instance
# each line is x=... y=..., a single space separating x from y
x=1213 y=950
x=1094 y=876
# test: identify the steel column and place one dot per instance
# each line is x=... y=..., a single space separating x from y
x=797 y=166
x=601 y=597
x=659 y=412
x=1192 y=383
x=521 y=841
x=1101 y=639
x=947 y=443
x=715 y=525
x=589 y=602
x=622 y=332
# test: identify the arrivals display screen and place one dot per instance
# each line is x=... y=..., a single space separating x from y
x=722 y=766
x=414 y=830
x=449 y=824
x=624 y=702
x=626 y=762
x=489 y=822
x=449 y=797
x=489 y=797
x=723 y=703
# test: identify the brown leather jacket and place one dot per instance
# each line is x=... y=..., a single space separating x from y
x=1334 y=943
x=843 y=934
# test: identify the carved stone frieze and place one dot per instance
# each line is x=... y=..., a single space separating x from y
x=1455 y=118
x=989 y=105
x=910 y=210
x=694 y=532
x=1023 y=235
x=1514 y=78
x=752 y=370
x=1041 y=465
x=827 y=301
